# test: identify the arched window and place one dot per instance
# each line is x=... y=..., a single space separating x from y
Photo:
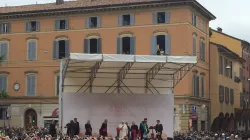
x=61 y=48
x=202 y=50
x=194 y=44
x=32 y=49
x=31 y=82
x=4 y=49
x=160 y=43
x=126 y=44
x=93 y=44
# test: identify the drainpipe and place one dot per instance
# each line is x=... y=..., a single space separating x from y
x=209 y=90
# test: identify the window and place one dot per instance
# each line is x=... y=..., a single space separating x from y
x=93 y=22
x=221 y=65
x=31 y=85
x=32 y=48
x=93 y=46
x=221 y=94
x=4 y=50
x=231 y=96
x=201 y=24
x=4 y=28
x=32 y=26
x=61 y=24
x=61 y=49
x=226 y=95
x=230 y=71
x=196 y=87
x=225 y=67
x=126 y=20
x=194 y=18
x=202 y=50
x=126 y=45
x=194 y=44
x=57 y=84
x=241 y=73
x=161 y=17
x=241 y=100
x=202 y=87
x=3 y=83
x=160 y=44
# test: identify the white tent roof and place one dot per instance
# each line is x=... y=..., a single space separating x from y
x=111 y=73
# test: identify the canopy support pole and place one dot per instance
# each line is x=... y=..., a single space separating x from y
x=178 y=75
x=93 y=75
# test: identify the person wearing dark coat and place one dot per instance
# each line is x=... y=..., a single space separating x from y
x=68 y=129
x=158 y=130
x=52 y=129
x=88 y=129
x=104 y=129
x=73 y=128
x=134 y=131
x=77 y=130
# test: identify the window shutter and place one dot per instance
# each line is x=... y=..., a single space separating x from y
x=120 y=20
x=87 y=22
x=99 y=45
x=28 y=86
x=194 y=46
x=241 y=73
x=167 y=44
x=37 y=26
x=197 y=86
x=9 y=27
x=154 y=17
x=30 y=50
x=66 y=24
x=194 y=85
x=1 y=28
x=56 y=50
x=167 y=17
x=57 y=24
x=200 y=49
x=98 y=21
x=4 y=50
x=86 y=46
x=33 y=85
x=203 y=51
x=202 y=87
x=67 y=49
x=57 y=84
x=132 y=45
x=27 y=26
x=119 y=45
x=33 y=50
x=3 y=83
x=132 y=19
x=153 y=45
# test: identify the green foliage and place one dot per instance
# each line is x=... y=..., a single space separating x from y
x=3 y=95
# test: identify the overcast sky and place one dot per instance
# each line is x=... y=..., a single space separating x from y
x=232 y=16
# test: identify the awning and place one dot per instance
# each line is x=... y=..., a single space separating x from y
x=116 y=73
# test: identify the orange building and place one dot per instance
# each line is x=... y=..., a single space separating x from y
x=34 y=37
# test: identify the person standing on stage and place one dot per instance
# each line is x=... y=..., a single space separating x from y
x=158 y=130
x=129 y=130
x=88 y=129
x=144 y=129
x=123 y=130
x=104 y=129
x=134 y=131
x=77 y=131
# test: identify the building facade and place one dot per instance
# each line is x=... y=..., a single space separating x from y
x=35 y=37
x=226 y=77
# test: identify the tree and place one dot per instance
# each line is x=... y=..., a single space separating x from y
x=3 y=94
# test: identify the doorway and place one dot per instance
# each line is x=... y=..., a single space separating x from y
x=30 y=116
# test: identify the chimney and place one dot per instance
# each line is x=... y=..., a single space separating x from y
x=59 y=2
x=219 y=29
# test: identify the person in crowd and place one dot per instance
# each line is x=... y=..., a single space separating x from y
x=129 y=130
x=104 y=129
x=123 y=130
x=134 y=131
x=77 y=130
x=158 y=130
x=72 y=128
x=52 y=129
x=144 y=129
x=88 y=129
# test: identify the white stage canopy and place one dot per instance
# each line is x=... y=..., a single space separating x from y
x=122 y=74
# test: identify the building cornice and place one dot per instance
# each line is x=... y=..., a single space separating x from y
x=106 y=8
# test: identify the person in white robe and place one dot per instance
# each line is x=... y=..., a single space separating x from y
x=123 y=130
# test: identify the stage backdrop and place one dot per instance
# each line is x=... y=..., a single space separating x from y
x=118 y=107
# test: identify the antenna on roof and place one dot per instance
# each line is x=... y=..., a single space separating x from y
x=36 y=2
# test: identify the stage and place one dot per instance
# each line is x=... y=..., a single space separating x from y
x=120 y=87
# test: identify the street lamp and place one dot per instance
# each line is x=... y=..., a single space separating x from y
x=228 y=67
